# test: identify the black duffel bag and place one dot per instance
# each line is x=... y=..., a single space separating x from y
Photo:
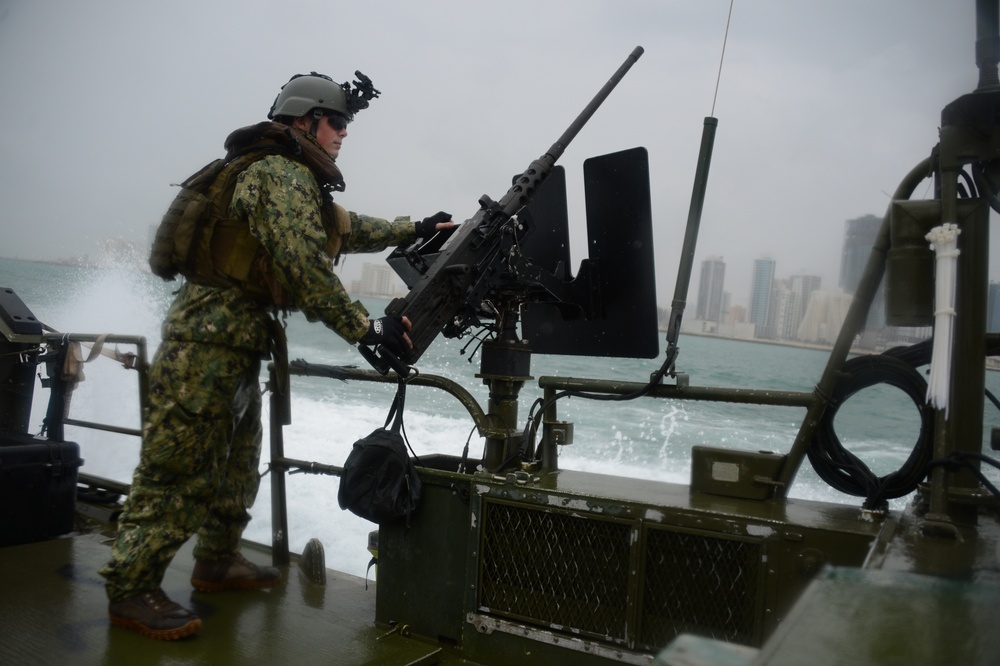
x=379 y=482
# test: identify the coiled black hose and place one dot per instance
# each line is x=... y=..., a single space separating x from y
x=842 y=469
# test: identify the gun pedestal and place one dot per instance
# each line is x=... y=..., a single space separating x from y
x=505 y=366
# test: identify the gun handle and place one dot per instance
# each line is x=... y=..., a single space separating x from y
x=384 y=360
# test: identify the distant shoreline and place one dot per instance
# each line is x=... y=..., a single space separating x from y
x=780 y=343
x=994 y=366
x=76 y=262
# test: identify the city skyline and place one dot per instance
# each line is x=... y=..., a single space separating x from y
x=800 y=307
x=851 y=257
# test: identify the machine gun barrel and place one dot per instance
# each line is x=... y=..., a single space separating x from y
x=524 y=187
x=451 y=290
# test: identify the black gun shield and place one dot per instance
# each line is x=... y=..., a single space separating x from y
x=620 y=244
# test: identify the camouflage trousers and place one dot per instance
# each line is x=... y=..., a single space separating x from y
x=197 y=471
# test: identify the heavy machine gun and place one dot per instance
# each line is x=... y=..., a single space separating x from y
x=447 y=293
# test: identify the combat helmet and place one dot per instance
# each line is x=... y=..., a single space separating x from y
x=321 y=95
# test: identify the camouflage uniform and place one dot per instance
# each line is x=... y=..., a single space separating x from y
x=202 y=436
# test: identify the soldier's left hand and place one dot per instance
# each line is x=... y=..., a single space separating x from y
x=436 y=222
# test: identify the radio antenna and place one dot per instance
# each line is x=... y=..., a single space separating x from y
x=722 y=58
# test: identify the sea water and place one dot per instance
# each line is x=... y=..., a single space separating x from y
x=645 y=438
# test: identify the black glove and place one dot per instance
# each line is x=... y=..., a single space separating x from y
x=427 y=226
x=387 y=331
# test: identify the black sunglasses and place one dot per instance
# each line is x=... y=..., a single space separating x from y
x=337 y=122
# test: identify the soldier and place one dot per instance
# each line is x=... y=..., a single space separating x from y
x=202 y=435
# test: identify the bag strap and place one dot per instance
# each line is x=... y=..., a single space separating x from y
x=395 y=416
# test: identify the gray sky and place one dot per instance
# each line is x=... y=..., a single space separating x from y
x=822 y=109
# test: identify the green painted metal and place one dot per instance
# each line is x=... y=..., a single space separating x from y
x=426 y=560
x=486 y=557
x=856 y=616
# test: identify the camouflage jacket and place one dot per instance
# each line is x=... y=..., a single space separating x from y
x=281 y=201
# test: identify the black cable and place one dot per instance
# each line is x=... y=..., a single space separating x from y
x=985 y=186
x=992 y=398
x=465 y=452
x=959 y=459
x=531 y=427
x=845 y=471
x=914 y=355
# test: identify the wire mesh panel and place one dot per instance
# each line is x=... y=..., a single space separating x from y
x=556 y=569
x=699 y=584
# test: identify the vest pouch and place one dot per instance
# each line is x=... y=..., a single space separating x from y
x=236 y=258
x=205 y=177
x=174 y=243
x=337 y=224
x=173 y=246
x=233 y=248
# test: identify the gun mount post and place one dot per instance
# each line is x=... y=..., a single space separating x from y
x=504 y=366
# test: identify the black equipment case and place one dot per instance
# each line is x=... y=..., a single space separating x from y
x=38 y=479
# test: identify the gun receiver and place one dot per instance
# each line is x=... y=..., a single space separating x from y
x=449 y=296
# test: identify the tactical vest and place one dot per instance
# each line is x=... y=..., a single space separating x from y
x=199 y=240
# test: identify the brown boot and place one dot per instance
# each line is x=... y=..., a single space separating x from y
x=153 y=614
x=233 y=573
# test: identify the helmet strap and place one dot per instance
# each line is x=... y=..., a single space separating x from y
x=317 y=115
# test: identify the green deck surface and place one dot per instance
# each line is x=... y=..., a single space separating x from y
x=54 y=611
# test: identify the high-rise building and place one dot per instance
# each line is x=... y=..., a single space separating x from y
x=376 y=281
x=761 y=286
x=993 y=308
x=824 y=317
x=802 y=287
x=859 y=237
x=736 y=314
x=784 y=302
x=710 y=294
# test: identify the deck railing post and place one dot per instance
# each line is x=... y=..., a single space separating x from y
x=279 y=506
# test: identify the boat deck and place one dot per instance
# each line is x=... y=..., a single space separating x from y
x=54 y=611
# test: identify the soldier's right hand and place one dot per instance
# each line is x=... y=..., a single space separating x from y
x=390 y=332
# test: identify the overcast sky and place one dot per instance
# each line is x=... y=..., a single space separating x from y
x=822 y=109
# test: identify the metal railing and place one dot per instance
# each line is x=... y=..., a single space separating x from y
x=280 y=407
x=57 y=417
